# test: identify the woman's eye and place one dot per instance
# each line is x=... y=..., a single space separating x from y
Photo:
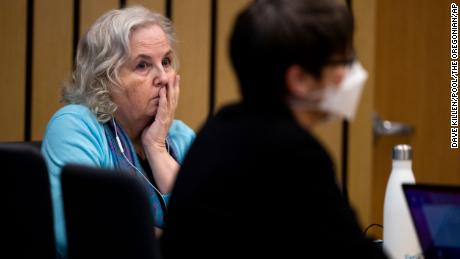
x=166 y=62
x=142 y=66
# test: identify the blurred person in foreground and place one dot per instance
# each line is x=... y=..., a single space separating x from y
x=256 y=182
x=120 y=106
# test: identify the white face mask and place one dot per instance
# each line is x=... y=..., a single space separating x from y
x=342 y=100
x=338 y=101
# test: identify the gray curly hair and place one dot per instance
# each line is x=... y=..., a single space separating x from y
x=102 y=51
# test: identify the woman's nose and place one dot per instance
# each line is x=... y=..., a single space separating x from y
x=161 y=79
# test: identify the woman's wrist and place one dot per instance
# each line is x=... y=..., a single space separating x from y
x=155 y=146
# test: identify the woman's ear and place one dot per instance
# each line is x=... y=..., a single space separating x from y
x=299 y=84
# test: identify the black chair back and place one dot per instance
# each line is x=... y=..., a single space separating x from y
x=27 y=229
x=108 y=215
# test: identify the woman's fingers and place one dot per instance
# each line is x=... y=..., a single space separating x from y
x=163 y=97
x=173 y=93
x=163 y=108
x=177 y=90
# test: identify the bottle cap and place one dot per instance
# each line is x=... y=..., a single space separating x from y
x=402 y=152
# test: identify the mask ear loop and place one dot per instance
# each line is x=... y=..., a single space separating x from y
x=309 y=103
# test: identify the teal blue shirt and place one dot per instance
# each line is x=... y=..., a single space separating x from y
x=74 y=135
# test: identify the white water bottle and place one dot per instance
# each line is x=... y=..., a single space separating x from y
x=399 y=236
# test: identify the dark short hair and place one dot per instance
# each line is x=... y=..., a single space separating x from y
x=271 y=35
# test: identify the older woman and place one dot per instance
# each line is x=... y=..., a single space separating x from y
x=120 y=107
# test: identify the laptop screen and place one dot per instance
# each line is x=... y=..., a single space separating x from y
x=435 y=211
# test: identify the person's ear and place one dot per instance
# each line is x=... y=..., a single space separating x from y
x=299 y=83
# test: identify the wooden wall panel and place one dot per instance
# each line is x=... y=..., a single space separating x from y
x=90 y=10
x=154 y=5
x=52 y=59
x=192 y=23
x=413 y=86
x=13 y=15
x=226 y=82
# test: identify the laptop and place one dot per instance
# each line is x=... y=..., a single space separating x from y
x=435 y=212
